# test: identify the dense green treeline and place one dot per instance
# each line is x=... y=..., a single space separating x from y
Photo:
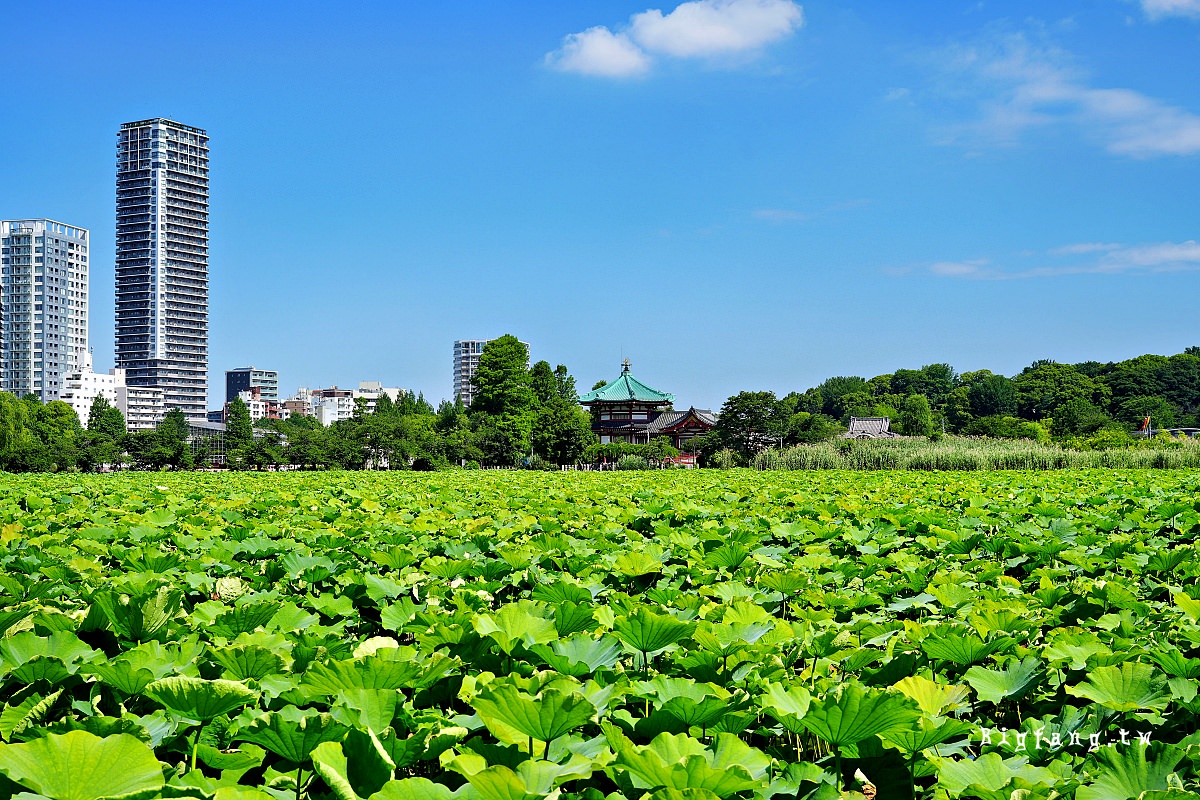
x=1083 y=406
x=531 y=417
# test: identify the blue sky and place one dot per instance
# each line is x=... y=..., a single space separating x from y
x=734 y=194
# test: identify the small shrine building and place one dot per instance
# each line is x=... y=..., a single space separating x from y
x=628 y=410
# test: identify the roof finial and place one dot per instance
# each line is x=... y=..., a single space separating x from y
x=625 y=366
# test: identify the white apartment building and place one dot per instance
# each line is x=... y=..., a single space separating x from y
x=143 y=406
x=81 y=388
x=371 y=391
x=255 y=404
x=466 y=361
x=44 y=302
x=332 y=405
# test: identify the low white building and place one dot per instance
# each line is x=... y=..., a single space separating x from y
x=80 y=388
x=142 y=406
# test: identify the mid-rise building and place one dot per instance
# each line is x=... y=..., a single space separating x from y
x=371 y=391
x=258 y=406
x=43 y=305
x=142 y=406
x=466 y=361
x=332 y=405
x=162 y=261
x=244 y=379
x=81 y=388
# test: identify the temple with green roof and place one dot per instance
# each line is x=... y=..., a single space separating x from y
x=628 y=410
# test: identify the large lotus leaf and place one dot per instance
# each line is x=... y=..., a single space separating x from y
x=124 y=675
x=580 y=655
x=413 y=789
x=787 y=704
x=1132 y=686
x=291 y=733
x=246 y=757
x=198 y=699
x=244 y=618
x=1125 y=772
x=702 y=713
x=1075 y=648
x=50 y=658
x=636 y=562
x=648 y=632
x=1176 y=664
x=30 y=711
x=81 y=766
x=683 y=794
x=530 y=780
x=663 y=688
x=990 y=776
x=394 y=668
x=1017 y=678
x=543 y=717
x=727 y=638
x=934 y=699
x=369 y=708
x=247 y=662
x=852 y=713
x=355 y=768
x=142 y=615
x=680 y=762
x=522 y=623
x=928 y=733
x=962 y=648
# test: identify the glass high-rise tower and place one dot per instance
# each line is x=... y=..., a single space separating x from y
x=162 y=261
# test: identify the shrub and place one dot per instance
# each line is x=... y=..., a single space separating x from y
x=632 y=462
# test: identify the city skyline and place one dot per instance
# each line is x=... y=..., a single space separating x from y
x=760 y=201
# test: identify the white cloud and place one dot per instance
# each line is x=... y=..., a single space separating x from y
x=1024 y=85
x=1157 y=9
x=1081 y=259
x=703 y=28
x=695 y=29
x=599 y=51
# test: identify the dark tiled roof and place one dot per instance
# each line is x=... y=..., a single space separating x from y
x=869 y=428
x=671 y=418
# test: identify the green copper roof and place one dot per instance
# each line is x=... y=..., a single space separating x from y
x=625 y=389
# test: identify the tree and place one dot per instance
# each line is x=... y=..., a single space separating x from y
x=1044 y=386
x=561 y=432
x=239 y=430
x=751 y=421
x=1135 y=409
x=916 y=417
x=503 y=439
x=833 y=389
x=991 y=395
x=543 y=383
x=501 y=382
x=384 y=406
x=1077 y=417
x=806 y=428
x=565 y=384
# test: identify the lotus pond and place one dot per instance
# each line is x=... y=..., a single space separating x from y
x=674 y=636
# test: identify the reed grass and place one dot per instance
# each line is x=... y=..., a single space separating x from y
x=954 y=453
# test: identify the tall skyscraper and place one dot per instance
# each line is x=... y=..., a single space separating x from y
x=44 y=302
x=466 y=361
x=162 y=261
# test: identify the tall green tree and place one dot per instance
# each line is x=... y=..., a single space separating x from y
x=501 y=384
x=751 y=421
x=239 y=430
x=916 y=417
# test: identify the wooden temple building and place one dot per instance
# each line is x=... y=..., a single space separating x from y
x=628 y=410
